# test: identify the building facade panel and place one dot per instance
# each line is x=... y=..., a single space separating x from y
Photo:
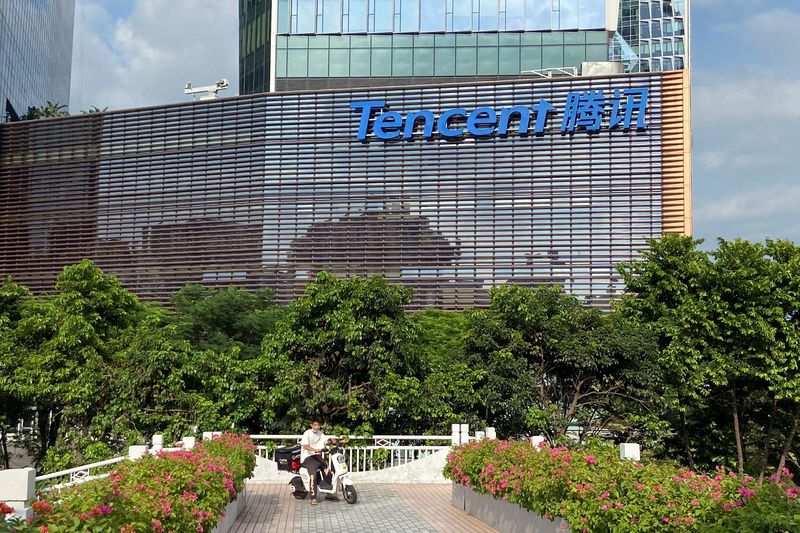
x=35 y=53
x=268 y=190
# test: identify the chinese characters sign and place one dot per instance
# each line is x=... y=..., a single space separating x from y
x=584 y=110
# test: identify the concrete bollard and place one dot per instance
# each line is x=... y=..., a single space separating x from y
x=629 y=451
x=17 y=487
x=158 y=442
x=208 y=435
x=480 y=435
x=536 y=441
x=491 y=433
x=188 y=442
x=136 y=451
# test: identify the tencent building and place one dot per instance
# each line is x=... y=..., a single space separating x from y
x=447 y=183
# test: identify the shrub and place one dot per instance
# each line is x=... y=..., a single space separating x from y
x=185 y=490
x=595 y=491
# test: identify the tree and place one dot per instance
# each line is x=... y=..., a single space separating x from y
x=550 y=363
x=14 y=397
x=49 y=110
x=65 y=342
x=342 y=352
x=221 y=319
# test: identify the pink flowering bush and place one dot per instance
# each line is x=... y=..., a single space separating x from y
x=179 y=491
x=595 y=491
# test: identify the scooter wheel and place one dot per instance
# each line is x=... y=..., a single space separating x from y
x=350 y=494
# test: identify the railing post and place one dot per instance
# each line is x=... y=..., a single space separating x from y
x=536 y=441
x=455 y=434
x=136 y=451
x=188 y=442
x=629 y=451
x=480 y=435
x=158 y=442
x=464 y=433
x=17 y=487
x=491 y=433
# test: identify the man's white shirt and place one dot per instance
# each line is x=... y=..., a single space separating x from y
x=315 y=439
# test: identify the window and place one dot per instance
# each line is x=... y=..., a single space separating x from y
x=667 y=25
x=331 y=13
x=537 y=14
x=283 y=16
x=655 y=9
x=515 y=15
x=667 y=47
x=591 y=14
x=462 y=16
x=568 y=14
x=423 y=62
x=655 y=65
x=656 y=48
x=432 y=15
x=381 y=16
x=303 y=16
x=678 y=63
x=644 y=30
x=655 y=29
x=679 y=46
x=488 y=15
x=409 y=15
x=667 y=64
x=357 y=16
x=678 y=29
x=644 y=10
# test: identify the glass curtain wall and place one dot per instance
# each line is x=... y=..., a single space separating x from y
x=254 y=44
x=412 y=16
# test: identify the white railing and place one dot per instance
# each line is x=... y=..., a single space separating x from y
x=366 y=453
x=79 y=474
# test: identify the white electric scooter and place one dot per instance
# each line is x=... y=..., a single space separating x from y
x=336 y=479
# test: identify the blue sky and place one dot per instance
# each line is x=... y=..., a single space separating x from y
x=745 y=92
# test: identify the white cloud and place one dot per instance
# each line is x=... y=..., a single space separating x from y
x=753 y=204
x=147 y=57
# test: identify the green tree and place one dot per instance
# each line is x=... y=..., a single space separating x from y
x=550 y=363
x=221 y=319
x=14 y=396
x=342 y=352
x=65 y=344
x=49 y=110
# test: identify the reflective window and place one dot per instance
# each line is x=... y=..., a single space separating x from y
x=409 y=15
x=678 y=8
x=423 y=62
x=487 y=60
x=444 y=61
x=303 y=16
x=381 y=16
x=667 y=8
x=283 y=16
x=432 y=15
x=679 y=46
x=537 y=14
x=591 y=14
x=356 y=16
x=359 y=62
x=655 y=65
x=515 y=15
x=655 y=29
x=644 y=49
x=381 y=62
x=644 y=10
x=656 y=48
x=644 y=30
x=508 y=60
x=667 y=27
x=678 y=30
x=567 y=14
x=488 y=15
x=331 y=15
x=466 y=61
x=462 y=16
x=655 y=9
x=679 y=63
x=667 y=49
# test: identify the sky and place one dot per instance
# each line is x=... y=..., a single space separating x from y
x=745 y=92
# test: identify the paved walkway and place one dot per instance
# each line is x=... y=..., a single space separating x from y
x=381 y=508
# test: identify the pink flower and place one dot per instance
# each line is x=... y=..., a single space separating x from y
x=688 y=520
x=694 y=503
x=603 y=496
x=591 y=460
x=665 y=520
x=157 y=525
x=746 y=493
x=792 y=493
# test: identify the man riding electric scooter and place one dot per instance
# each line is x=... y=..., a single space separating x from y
x=311 y=446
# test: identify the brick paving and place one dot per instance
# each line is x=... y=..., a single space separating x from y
x=381 y=508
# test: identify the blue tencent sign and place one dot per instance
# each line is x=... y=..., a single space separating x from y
x=583 y=110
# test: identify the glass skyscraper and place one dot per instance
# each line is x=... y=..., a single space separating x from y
x=315 y=44
x=35 y=53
